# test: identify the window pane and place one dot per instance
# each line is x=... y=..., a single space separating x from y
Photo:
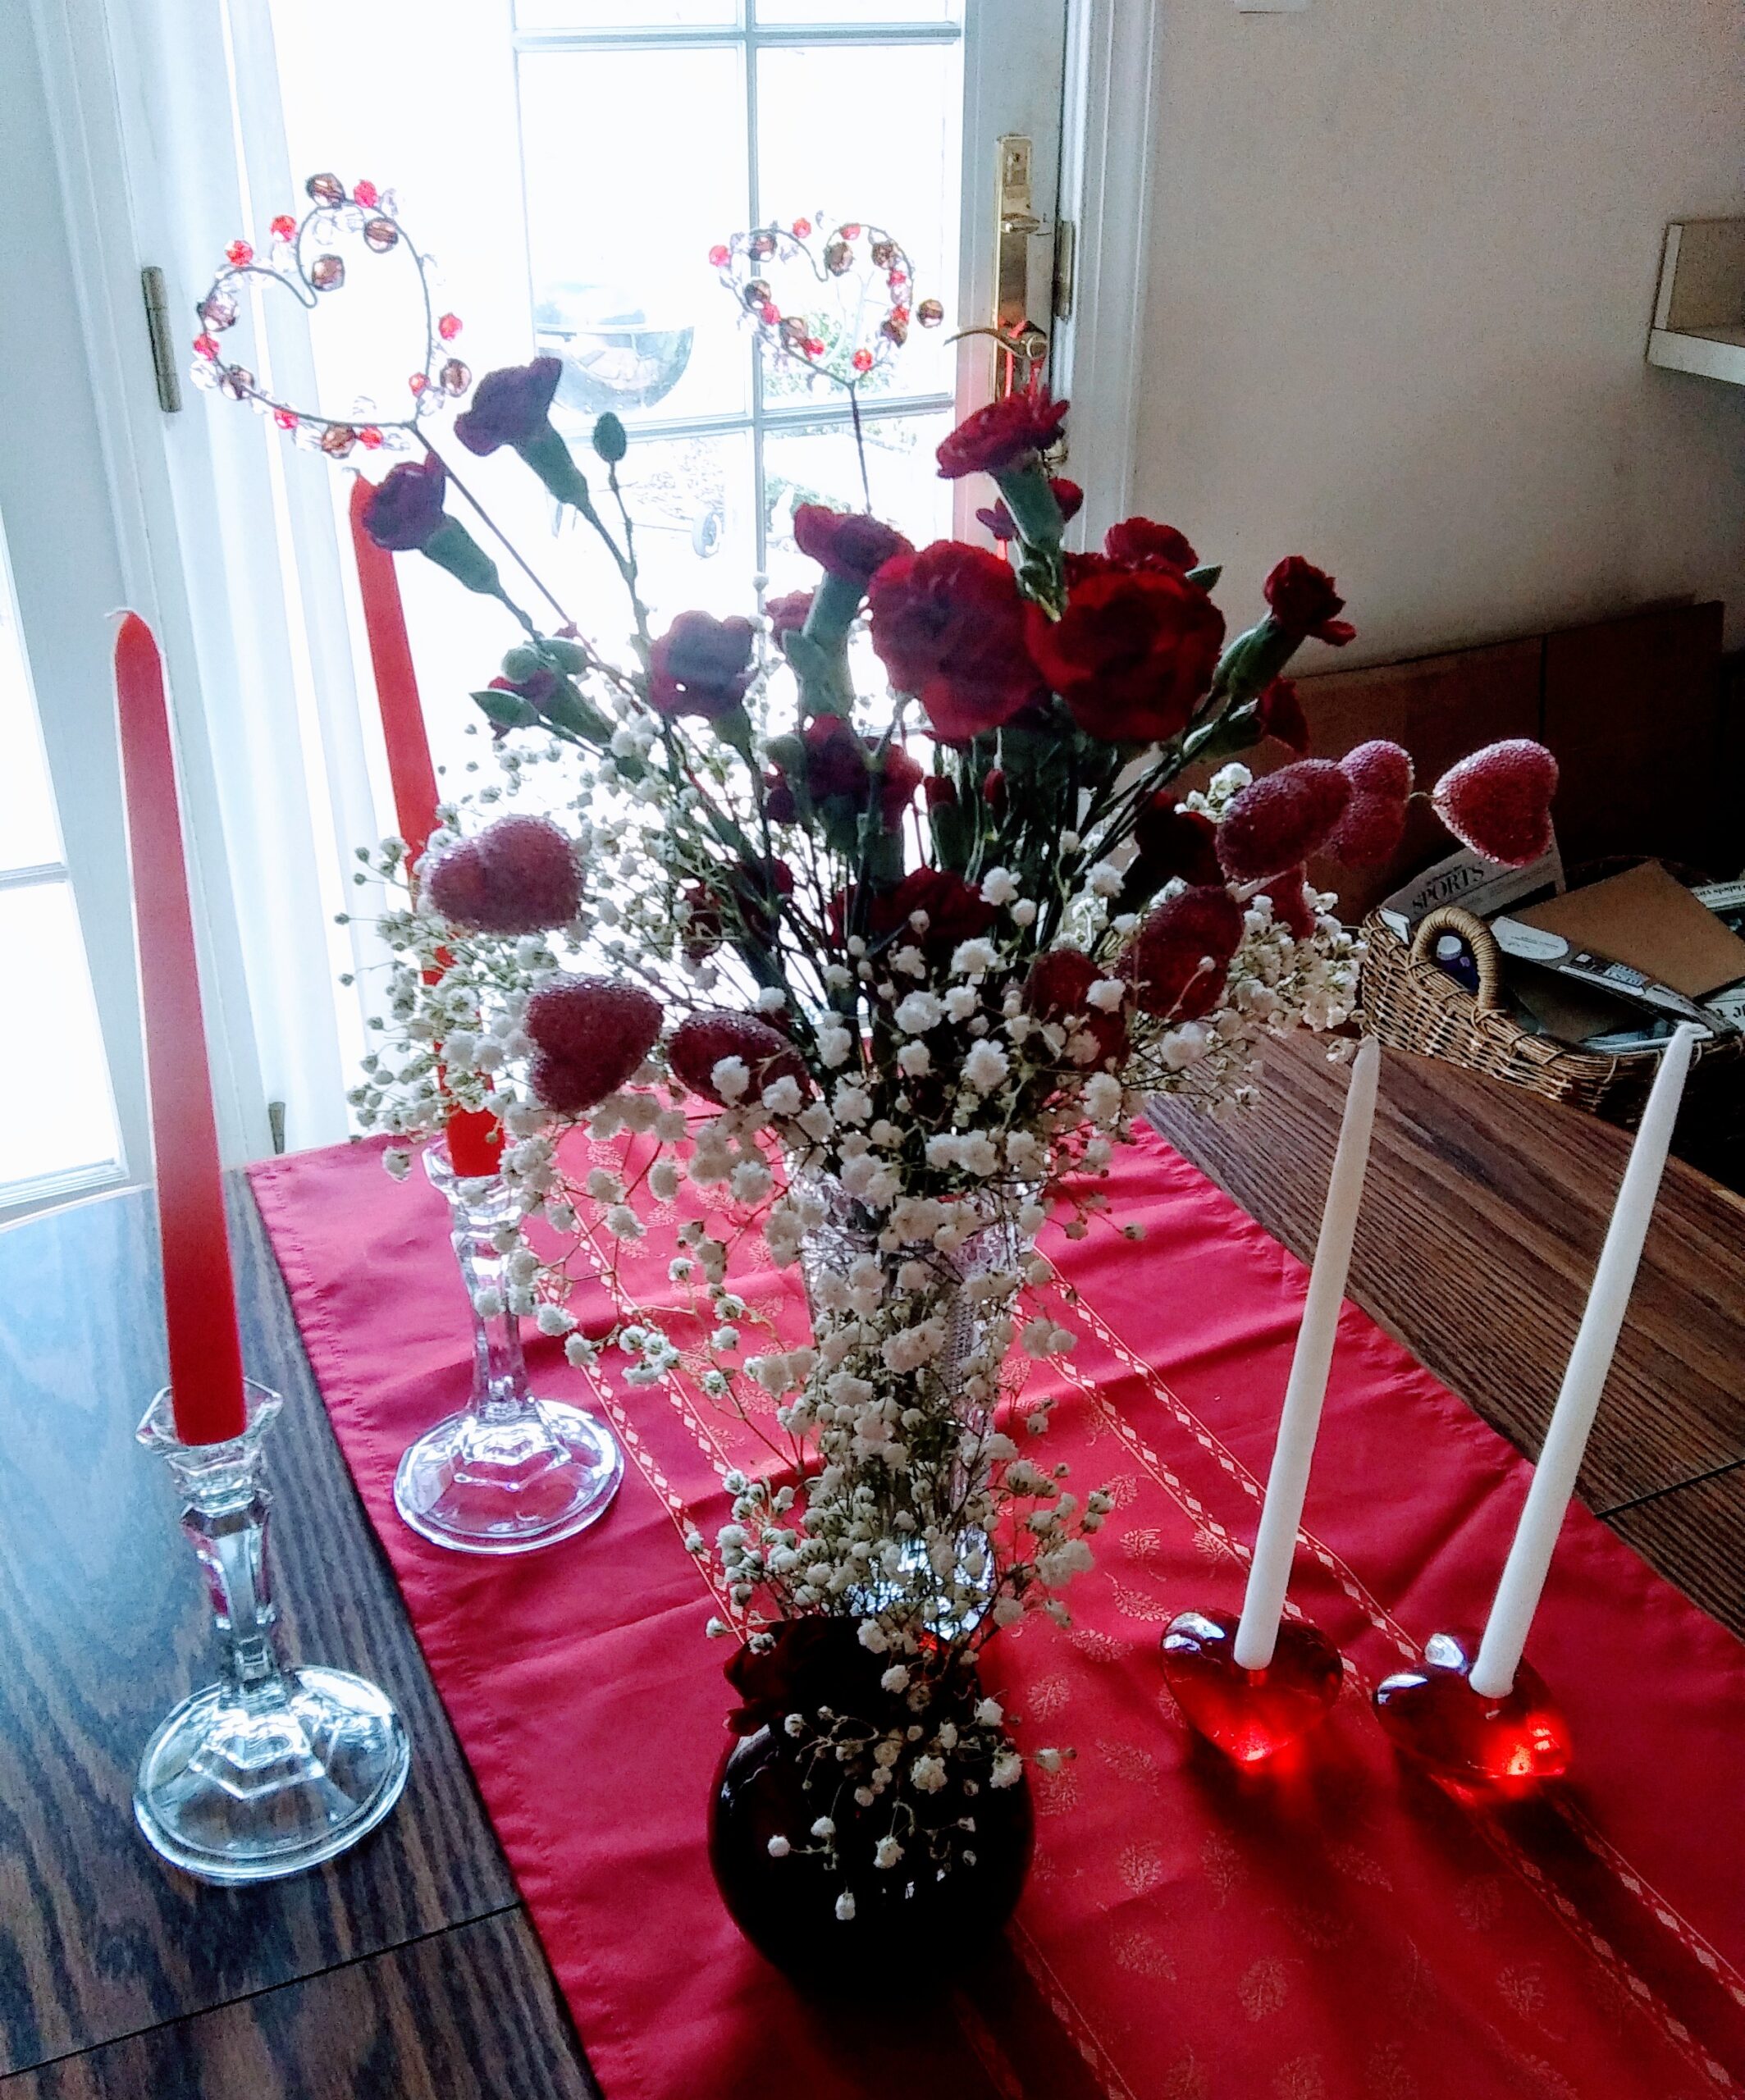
x=815 y=463
x=624 y=13
x=870 y=135
x=28 y=836
x=39 y=938
x=635 y=168
x=690 y=500
x=829 y=13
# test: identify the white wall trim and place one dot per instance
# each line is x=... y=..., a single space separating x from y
x=1112 y=49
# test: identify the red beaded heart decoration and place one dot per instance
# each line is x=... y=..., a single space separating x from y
x=852 y=304
x=306 y=259
x=1473 y=1745
x=1249 y=1715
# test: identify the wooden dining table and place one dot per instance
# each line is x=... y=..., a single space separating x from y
x=407 y=1971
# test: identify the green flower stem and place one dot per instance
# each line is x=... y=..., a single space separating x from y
x=1036 y=513
x=820 y=661
x=1253 y=661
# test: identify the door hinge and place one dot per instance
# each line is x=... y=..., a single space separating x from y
x=163 y=348
x=1066 y=268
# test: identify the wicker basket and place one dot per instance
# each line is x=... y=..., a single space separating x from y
x=1410 y=1003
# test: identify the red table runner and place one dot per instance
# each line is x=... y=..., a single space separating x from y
x=1189 y=1932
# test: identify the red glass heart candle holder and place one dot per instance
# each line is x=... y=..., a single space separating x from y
x=1471 y=1745
x=1249 y=1715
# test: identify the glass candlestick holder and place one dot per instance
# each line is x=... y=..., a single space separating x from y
x=1474 y=1745
x=271 y=1769
x=508 y=1473
x=1249 y=1715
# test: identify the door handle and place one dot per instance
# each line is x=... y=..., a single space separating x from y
x=1017 y=223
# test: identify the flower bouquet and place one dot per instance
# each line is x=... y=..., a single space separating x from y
x=765 y=961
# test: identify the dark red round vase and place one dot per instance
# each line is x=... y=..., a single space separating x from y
x=786 y=1907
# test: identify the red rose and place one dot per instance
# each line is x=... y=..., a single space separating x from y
x=948 y=625
x=700 y=666
x=846 y=543
x=1003 y=435
x=1138 y=543
x=1132 y=655
x=1303 y=603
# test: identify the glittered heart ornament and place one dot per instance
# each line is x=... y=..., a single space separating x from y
x=343 y=239
x=1498 y=801
x=1474 y=1745
x=842 y=308
x=1249 y=1715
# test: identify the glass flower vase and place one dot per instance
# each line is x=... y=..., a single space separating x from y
x=508 y=1473
x=273 y=1770
x=941 y=1485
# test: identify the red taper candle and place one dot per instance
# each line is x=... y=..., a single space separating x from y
x=475 y=1139
x=199 y=1298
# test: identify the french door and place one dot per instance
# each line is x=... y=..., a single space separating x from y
x=571 y=164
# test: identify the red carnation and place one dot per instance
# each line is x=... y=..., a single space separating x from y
x=591 y=1034
x=1499 y=801
x=1132 y=655
x=1304 y=602
x=1004 y=434
x=698 y=1045
x=519 y=875
x=406 y=511
x=1279 y=714
x=899 y=776
x=1179 y=959
x=956 y=910
x=1139 y=543
x=846 y=543
x=1276 y=823
x=786 y=615
x=940 y=791
x=1058 y=989
x=948 y=625
x=1174 y=842
x=510 y=407
x=700 y=666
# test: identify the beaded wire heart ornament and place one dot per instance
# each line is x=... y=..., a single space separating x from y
x=849 y=335
x=305 y=260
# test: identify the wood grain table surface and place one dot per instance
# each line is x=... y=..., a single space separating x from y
x=409 y=1970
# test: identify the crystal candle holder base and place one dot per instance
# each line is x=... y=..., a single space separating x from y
x=273 y=1770
x=540 y=1473
x=508 y=1473
x=1473 y=1745
x=1250 y=1715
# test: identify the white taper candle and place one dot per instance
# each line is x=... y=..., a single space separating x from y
x=1299 y=1419
x=1516 y=1599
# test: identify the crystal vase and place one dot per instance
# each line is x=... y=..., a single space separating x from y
x=508 y=1473
x=271 y=1769
x=946 y=1471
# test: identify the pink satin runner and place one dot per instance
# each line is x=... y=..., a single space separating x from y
x=1188 y=1933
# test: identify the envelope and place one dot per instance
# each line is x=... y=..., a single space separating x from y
x=1648 y=919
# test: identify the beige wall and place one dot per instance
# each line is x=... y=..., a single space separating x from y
x=1404 y=255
